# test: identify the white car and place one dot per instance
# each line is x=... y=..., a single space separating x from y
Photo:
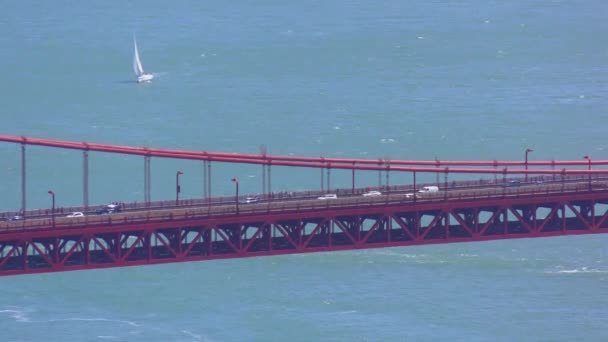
x=250 y=199
x=431 y=188
x=328 y=196
x=372 y=193
x=76 y=214
x=410 y=195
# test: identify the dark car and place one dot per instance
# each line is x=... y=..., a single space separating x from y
x=102 y=211
x=512 y=183
x=114 y=208
x=109 y=209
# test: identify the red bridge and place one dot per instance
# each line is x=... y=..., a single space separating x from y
x=516 y=199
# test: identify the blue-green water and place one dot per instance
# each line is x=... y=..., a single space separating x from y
x=447 y=79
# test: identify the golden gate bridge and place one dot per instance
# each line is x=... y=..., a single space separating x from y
x=524 y=199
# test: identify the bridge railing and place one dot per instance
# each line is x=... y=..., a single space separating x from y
x=302 y=206
x=303 y=195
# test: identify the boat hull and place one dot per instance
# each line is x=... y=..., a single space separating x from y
x=145 y=78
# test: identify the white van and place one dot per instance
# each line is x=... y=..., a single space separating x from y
x=431 y=188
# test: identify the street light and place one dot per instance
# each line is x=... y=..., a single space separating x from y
x=52 y=193
x=528 y=150
x=236 y=182
x=177 y=187
x=588 y=157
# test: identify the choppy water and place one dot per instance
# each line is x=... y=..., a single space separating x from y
x=453 y=80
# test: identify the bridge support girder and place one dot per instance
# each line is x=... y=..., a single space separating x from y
x=126 y=243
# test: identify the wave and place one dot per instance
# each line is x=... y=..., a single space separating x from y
x=131 y=323
x=21 y=315
x=346 y=312
x=18 y=314
x=583 y=270
x=196 y=336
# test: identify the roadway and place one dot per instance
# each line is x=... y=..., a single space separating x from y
x=302 y=202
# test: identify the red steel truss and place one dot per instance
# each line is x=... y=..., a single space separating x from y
x=388 y=222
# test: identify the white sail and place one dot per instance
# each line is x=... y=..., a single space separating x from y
x=137 y=67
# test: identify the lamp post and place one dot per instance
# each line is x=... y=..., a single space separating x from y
x=528 y=150
x=177 y=187
x=236 y=182
x=588 y=157
x=52 y=193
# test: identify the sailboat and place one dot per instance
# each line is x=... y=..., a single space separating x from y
x=141 y=75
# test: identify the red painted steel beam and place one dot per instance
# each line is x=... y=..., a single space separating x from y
x=260 y=161
x=277 y=160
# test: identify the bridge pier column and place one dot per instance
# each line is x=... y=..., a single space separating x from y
x=387 y=177
x=469 y=220
x=564 y=223
x=587 y=212
x=118 y=245
x=322 y=180
x=209 y=179
x=389 y=227
x=86 y=244
x=410 y=221
x=206 y=241
x=147 y=198
x=446 y=218
x=23 y=179
x=534 y=220
x=414 y=190
x=55 y=250
x=269 y=179
x=353 y=186
x=205 y=195
x=505 y=218
x=328 y=181
x=263 y=180
x=592 y=219
x=263 y=151
x=268 y=229
x=85 y=179
x=445 y=184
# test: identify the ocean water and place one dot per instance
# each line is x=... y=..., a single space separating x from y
x=470 y=79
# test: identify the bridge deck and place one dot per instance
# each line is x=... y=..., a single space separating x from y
x=302 y=205
x=301 y=225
